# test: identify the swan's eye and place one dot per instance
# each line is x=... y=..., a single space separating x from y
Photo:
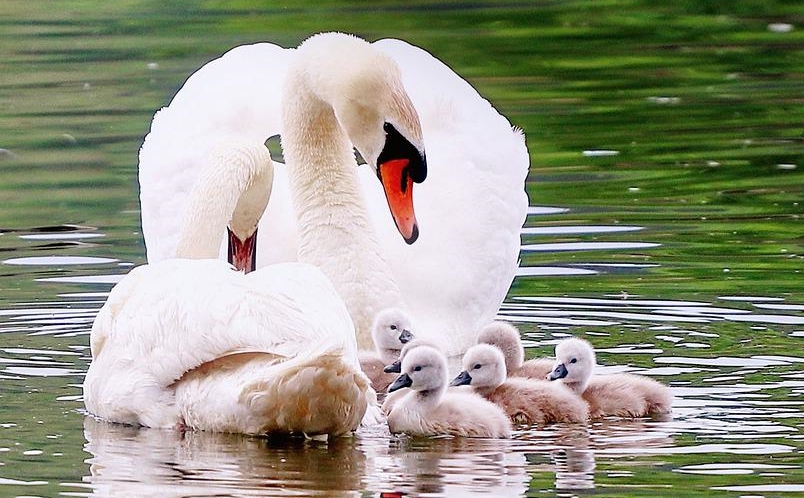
x=393 y=327
x=477 y=366
x=387 y=127
x=417 y=368
x=574 y=360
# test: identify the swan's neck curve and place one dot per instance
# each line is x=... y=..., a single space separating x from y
x=232 y=190
x=335 y=232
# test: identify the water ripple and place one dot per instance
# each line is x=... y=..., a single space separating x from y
x=586 y=246
x=59 y=260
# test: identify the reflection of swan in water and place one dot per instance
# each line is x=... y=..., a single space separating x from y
x=129 y=461
x=622 y=436
x=563 y=452
x=446 y=467
x=134 y=462
x=570 y=451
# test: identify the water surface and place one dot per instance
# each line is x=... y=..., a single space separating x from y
x=665 y=226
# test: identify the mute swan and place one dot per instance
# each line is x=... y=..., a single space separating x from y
x=526 y=401
x=615 y=395
x=431 y=410
x=193 y=343
x=506 y=337
x=391 y=331
x=471 y=207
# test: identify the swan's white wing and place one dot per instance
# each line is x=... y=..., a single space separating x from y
x=168 y=318
x=470 y=208
x=236 y=96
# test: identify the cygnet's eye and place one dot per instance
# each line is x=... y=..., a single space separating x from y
x=574 y=360
x=417 y=368
x=393 y=327
x=477 y=366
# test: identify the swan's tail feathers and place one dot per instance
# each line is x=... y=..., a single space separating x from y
x=320 y=394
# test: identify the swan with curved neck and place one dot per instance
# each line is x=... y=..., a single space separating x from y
x=471 y=206
x=341 y=93
x=232 y=192
x=191 y=343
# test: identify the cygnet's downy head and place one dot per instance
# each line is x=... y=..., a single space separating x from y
x=391 y=330
x=575 y=361
x=483 y=367
x=506 y=337
x=423 y=369
x=396 y=366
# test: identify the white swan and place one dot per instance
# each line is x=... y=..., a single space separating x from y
x=193 y=343
x=470 y=208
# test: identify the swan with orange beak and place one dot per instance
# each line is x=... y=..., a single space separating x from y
x=341 y=94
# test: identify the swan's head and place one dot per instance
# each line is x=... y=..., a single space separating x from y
x=232 y=191
x=396 y=367
x=575 y=361
x=506 y=337
x=364 y=88
x=423 y=369
x=483 y=366
x=391 y=330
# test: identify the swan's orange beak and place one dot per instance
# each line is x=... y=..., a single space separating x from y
x=242 y=253
x=398 y=186
x=399 y=165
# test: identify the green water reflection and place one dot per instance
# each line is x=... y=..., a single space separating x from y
x=684 y=119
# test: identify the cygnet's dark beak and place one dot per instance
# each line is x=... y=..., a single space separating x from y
x=463 y=379
x=405 y=336
x=402 y=381
x=395 y=367
x=558 y=373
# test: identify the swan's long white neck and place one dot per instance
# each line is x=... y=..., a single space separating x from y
x=232 y=189
x=335 y=233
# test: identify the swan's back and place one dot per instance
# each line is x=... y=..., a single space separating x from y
x=168 y=322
